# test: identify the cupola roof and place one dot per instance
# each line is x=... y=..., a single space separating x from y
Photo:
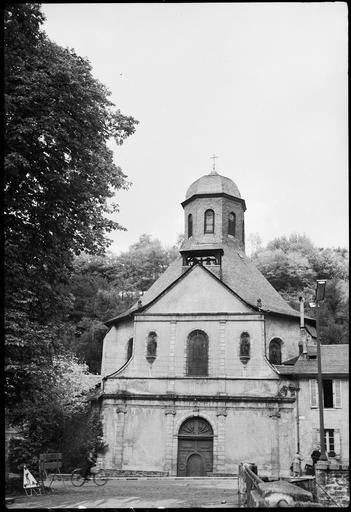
x=213 y=183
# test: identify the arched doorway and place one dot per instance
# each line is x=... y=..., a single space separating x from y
x=195 y=448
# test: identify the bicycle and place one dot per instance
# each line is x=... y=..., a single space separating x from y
x=99 y=477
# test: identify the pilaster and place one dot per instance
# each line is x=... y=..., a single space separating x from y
x=121 y=411
x=219 y=442
x=171 y=356
x=169 y=448
x=222 y=326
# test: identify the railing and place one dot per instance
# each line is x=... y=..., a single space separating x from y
x=248 y=484
x=254 y=492
x=330 y=499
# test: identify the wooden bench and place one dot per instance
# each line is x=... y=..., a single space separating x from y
x=50 y=465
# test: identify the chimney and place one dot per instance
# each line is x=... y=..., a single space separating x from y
x=303 y=334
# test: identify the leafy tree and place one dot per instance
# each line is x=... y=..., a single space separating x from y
x=284 y=270
x=83 y=433
x=57 y=393
x=335 y=313
x=59 y=176
x=59 y=171
x=293 y=264
x=104 y=286
x=294 y=243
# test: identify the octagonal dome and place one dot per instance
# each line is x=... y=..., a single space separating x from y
x=213 y=183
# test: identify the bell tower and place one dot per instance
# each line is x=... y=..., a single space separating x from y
x=213 y=219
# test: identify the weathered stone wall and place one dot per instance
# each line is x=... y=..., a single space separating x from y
x=334 y=479
x=223 y=331
x=143 y=435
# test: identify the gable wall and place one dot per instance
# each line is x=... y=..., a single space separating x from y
x=198 y=292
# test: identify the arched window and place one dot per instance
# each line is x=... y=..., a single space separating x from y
x=129 y=348
x=231 y=224
x=209 y=221
x=244 y=347
x=243 y=233
x=151 y=347
x=197 y=353
x=275 y=351
x=190 y=225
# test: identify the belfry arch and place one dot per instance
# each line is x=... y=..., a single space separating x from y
x=195 y=447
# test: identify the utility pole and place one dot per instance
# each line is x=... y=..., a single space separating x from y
x=320 y=293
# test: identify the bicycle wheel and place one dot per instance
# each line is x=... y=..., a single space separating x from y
x=100 y=477
x=77 y=478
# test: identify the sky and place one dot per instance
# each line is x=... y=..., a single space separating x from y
x=261 y=85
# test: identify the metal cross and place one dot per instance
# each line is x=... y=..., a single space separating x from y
x=214 y=162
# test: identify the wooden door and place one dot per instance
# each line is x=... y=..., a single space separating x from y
x=195 y=465
x=195 y=448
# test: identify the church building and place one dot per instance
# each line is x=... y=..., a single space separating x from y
x=192 y=379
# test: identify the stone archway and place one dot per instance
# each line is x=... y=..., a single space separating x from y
x=195 y=448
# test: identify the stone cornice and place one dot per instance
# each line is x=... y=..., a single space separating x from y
x=125 y=395
x=216 y=194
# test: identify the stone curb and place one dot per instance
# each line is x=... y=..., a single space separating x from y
x=66 y=478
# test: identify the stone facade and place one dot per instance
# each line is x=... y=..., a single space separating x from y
x=335 y=419
x=159 y=415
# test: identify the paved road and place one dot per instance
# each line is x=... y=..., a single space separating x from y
x=177 y=493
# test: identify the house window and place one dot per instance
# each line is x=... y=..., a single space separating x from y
x=231 y=224
x=209 y=221
x=331 y=393
x=327 y=393
x=197 y=353
x=329 y=441
x=151 y=347
x=129 y=348
x=190 y=225
x=332 y=441
x=244 y=347
x=275 y=351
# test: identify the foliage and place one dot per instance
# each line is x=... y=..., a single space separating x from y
x=83 y=433
x=59 y=178
x=293 y=264
x=58 y=393
x=59 y=171
x=104 y=286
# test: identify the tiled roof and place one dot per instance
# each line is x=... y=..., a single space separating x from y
x=241 y=275
x=213 y=183
x=291 y=361
x=170 y=275
x=238 y=273
x=335 y=360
